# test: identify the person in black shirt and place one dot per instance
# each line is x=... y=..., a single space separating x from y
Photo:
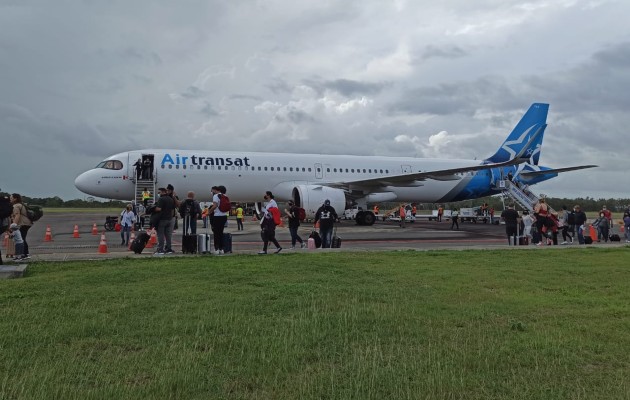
x=326 y=216
x=165 y=206
x=294 y=223
x=510 y=216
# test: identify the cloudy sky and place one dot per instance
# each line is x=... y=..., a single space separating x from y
x=81 y=80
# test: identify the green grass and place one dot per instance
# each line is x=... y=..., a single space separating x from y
x=517 y=324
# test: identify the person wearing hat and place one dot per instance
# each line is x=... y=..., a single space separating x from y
x=19 y=242
x=326 y=216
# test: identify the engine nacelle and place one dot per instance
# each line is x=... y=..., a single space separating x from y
x=311 y=197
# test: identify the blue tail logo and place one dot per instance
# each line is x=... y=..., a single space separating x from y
x=532 y=124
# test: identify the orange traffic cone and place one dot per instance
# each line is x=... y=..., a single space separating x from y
x=153 y=239
x=593 y=233
x=94 y=229
x=102 y=247
x=48 y=236
x=75 y=233
x=132 y=237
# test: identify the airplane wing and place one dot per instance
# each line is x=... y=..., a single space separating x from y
x=450 y=174
x=529 y=174
x=416 y=178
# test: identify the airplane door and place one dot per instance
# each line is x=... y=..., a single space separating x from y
x=319 y=171
x=406 y=169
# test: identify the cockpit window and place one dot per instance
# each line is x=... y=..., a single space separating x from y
x=110 y=164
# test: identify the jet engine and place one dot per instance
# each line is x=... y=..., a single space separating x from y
x=311 y=197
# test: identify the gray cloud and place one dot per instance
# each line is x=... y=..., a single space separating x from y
x=85 y=80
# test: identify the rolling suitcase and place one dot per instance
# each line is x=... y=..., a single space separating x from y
x=140 y=242
x=227 y=242
x=523 y=241
x=316 y=238
x=189 y=242
x=336 y=240
x=615 y=238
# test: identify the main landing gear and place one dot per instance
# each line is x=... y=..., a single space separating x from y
x=365 y=218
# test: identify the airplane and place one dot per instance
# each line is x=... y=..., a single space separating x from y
x=345 y=180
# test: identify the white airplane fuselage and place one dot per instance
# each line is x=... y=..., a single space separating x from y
x=248 y=175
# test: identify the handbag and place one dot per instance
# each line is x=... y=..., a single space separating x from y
x=117 y=227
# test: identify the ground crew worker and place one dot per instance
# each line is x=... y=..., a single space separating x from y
x=146 y=195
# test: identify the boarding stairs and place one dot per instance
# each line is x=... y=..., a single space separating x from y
x=521 y=195
x=140 y=185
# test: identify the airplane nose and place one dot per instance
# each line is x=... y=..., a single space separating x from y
x=81 y=182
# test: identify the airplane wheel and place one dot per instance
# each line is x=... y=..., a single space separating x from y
x=369 y=218
x=360 y=218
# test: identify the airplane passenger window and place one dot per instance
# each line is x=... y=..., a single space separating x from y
x=381 y=171
x=309 y=169
x=265 y=168
x=163 y=166
x=352 y=170
x=291 y=169
x=327 y=169
x=219 y=167
x=363 y=170
x=370 y=170
x=272 y=168
x=278 y=169
x=170 y=166
x=304 y=169
x=177 y=167
x=205 y=167
x=184 y=166
x=285 y=168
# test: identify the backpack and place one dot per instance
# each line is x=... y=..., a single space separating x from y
x=277 y=218
x=188 y=207
x=224 y=203
x=301 y=214
x=34 y=213
x=6 y=208
x=571 y=218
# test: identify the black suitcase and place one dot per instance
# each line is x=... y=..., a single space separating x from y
x=588 y=240
x=140 y=242
x=189 y=242
x=336 y=241
x=227 y=242
x=316 y=238
x=523 y=241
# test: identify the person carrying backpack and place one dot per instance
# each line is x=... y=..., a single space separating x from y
x=218 y=219
x=190 y=208
x=20 y=217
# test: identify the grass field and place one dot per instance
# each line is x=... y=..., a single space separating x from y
x=509 y=324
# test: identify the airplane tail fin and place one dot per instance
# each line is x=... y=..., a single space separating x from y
x=533 y=123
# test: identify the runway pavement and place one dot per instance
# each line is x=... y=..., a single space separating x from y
x=421 y=235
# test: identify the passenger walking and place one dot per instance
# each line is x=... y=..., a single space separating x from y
x=20 y=218
x=268 y=233
x=138 y=165
x=440 y=213
x=127 y=219
x=165 y=207
x=454 y=219
x=218 y=218
x=541 y=212
x=326 y=216
x=566 y=226
x=602 y=225
x=510 y=216
x=626 y=224
x=528 y=221
x=292 y=214
x=580 y=221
